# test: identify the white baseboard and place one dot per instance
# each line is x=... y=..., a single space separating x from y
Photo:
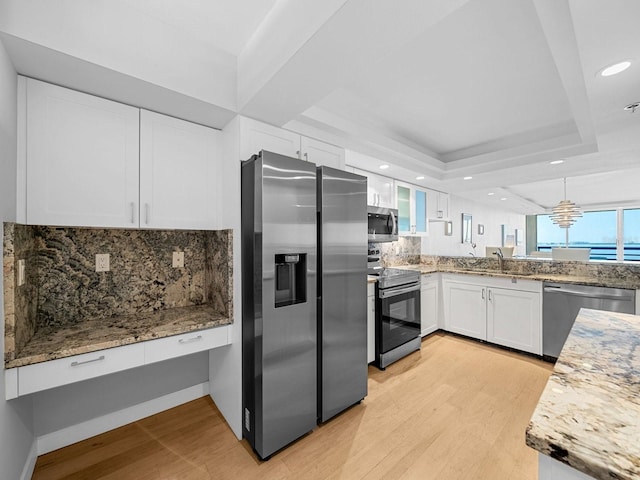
x=81 y=431
x=30 y=464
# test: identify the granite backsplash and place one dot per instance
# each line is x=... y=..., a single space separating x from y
x=62 y=287
x=405 y=250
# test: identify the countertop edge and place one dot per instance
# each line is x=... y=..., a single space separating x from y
x=120 y=342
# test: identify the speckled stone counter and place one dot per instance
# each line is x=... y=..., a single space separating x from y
x=600 y=275
x=64 y=307
x=588 y=416
x=93 y=335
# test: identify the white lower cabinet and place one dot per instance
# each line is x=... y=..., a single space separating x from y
x=429 y=301
x=465 y=309
x=371 y=322
x=513 y=319
x=63 y=371
x=503 y=311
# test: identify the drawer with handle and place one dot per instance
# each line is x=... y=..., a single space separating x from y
x=54 y=373
x=186 y=343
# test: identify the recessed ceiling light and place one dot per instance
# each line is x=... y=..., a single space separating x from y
x=615 y=68
x=384 y=167
x=420 y=177
x=503 y=198
x=490 y=193
x=556 y=162
x=467 y=178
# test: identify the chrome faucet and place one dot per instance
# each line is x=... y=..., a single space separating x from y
x=498 y=253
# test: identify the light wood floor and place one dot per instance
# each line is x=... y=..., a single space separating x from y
x=455 y=410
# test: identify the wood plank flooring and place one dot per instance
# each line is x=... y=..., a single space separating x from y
x=457 y=409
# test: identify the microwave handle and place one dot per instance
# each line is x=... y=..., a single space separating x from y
x=394 y=229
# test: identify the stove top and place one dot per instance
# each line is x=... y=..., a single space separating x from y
x=392 y=277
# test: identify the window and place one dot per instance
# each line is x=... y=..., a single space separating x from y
x=631 y=237
x=598 y=231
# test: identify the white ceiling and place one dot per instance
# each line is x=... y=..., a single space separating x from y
x=494 y=89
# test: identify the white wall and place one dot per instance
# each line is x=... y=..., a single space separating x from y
x=16 y=423
x=492 y=219
x=226 y=363
x=121 y=38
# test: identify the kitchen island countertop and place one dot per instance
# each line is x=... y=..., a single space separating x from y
x=588 y=416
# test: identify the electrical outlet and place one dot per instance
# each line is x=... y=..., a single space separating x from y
x=21 y=270
x=178 y=260
x=102 y=262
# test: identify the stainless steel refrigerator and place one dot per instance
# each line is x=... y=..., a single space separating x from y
x=296 y=370
x=342 y=290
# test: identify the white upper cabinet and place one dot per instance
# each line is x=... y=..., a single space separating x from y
x=321 y=153
x=412 y=209
x=92 y=162
x=438 y=206
x=256 y=136
x=81 y=159
x=380 y=191
x=178 y=162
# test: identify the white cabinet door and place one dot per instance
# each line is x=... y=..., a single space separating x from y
x=465 y=309
x=256 y=136
x=380 y=192
x=82 y=159
x=437 y=205
x=428 y=305
x=322 y=153
x=371 y=323
x=514 y=319
x=178 y=162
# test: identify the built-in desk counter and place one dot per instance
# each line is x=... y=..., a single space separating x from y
x=588 y=417
x=55 y=357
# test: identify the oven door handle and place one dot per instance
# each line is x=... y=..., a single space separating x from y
x=392 y=292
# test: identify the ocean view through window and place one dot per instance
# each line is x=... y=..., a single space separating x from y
x=598 y=231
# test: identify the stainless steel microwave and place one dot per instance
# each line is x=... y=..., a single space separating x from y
x=382 y=224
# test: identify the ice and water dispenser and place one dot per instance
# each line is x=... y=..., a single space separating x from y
x=291 y=279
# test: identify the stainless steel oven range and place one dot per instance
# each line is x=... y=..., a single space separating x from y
x=397 y=315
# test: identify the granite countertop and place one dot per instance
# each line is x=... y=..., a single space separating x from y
x=98 y=334
x=588 y=416
x=622 y=282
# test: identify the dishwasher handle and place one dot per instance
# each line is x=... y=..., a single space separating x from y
x=578 y=293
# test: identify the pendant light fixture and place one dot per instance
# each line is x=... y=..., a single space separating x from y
x=565 y=213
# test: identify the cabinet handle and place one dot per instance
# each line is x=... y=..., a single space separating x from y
x=483 y=293
x=190 y=340
x=489 y=294
x=75 y=364
x=133 y=206
x=146 y=213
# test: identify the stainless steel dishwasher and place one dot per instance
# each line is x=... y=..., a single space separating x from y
x=561 y=303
